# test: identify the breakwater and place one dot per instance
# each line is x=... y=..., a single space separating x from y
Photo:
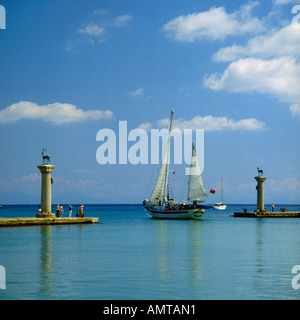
x=15 y=222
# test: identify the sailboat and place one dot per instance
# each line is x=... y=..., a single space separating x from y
x=159 y=206
x=220 y=205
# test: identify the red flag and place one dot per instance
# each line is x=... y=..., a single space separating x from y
x=212 y=191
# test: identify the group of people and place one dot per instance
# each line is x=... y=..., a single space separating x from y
x=60 y=211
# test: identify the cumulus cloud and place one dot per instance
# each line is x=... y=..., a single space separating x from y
x=210 y=123
x=56 y=113
x=214 y=24
x=276 y=43
x=278 y=76
x=268 y=62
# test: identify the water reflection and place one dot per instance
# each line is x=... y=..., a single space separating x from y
x=163 y=249
x=196 y=251
x=45 y=260
x=178 y=257
x=259 y=276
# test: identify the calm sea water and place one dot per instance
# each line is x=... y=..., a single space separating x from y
x=130 y=256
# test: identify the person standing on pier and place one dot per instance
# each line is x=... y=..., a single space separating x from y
x=61 y=210
x=80 y=211
x=273 y=207
x=70 y=211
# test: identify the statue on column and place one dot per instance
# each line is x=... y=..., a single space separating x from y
x=260 y=172
x=46 y=158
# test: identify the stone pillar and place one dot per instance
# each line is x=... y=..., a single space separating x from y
x=46 y=170
x=260 y=192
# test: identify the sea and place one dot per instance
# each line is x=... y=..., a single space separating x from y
x=131 y=256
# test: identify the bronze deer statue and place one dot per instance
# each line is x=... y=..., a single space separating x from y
x=260 y=172
x=46 y=158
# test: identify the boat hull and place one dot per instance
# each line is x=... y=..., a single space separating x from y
x=174 y=214
x=221 y=207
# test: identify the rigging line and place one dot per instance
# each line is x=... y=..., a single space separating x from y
x=155 y=168
x=168 y=156
x=151 y=180
x=184 y=187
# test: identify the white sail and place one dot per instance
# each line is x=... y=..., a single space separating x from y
x=196 y=188
x=161 y=184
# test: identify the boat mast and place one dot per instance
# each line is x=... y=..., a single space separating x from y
x=222 y=190
x=168 y=159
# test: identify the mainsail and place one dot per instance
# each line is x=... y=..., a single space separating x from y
x=196 y=188
x=161 y=184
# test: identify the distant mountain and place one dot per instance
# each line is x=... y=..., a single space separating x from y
x=23 y=198
x=18 y=198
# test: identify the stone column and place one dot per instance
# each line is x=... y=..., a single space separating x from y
x=46 y=170
x=260 y=192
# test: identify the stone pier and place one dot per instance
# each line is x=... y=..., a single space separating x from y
x=261 y=212
x=45 y=217
x=22 y=222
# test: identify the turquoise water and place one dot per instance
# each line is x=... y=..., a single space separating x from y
x=130 y=256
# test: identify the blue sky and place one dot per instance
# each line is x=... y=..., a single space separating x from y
x=71 y=68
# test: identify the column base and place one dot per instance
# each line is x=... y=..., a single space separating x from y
x=45 y=215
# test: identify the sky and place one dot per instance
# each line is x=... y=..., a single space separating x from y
x=70 y=68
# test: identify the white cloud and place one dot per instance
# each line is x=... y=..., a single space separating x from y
x=280 y=2
x=136 y=93
x=98 y=30
x=96 y=188
x=30 y=177
x=122 y=20
x=295 y=110
x=214 y=24
x=210 y=123
x=276 y=43
x=92 y=30
x=100 y=12
x=268 y=63
x=278 y=76
x=56 y=113
x=287 y=184
x=93 y=34
x=146 y=126
x=246 y=186
x=26 y=184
